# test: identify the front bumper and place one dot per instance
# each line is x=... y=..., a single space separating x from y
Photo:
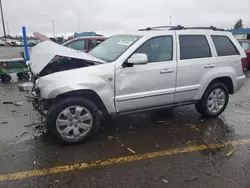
x=27 y=86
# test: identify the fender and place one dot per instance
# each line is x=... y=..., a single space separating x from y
x=56 y=84
x=212 y=75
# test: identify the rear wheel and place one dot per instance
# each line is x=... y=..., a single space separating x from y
x=214 y=100
x=6 y=78
x=73 y=120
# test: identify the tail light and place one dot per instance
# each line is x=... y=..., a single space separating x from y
x=244 y=64
x=2 y=65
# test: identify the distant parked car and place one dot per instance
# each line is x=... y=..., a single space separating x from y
x=84 y=44
x=32 y=42
x=11 y=42
x=246 y=46
x=2 y=42
x=19 y=43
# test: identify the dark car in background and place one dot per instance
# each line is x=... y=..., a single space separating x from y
x=84 y=44
x=246 y=46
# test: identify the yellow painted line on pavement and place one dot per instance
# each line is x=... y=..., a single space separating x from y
x=86 y=165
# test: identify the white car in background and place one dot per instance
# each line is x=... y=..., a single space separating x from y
x=19 y=43
x=2 y=42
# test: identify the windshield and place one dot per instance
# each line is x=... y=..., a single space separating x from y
x=112 y=48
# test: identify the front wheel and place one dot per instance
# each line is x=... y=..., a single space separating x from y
x=214 y=100
x=73 y=120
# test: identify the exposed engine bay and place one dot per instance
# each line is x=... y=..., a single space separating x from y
x=59 y=63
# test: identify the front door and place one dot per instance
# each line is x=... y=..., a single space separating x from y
x=152 y=84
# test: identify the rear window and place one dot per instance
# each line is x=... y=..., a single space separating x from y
x=224 y=46
x=194 y=46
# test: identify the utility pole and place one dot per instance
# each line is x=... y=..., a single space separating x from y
x=3 y=22
x=8 y=30
x=54 y=28
x=170 y=20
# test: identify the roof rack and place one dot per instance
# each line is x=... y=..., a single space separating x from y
x=211 y=27
x=157 y=27
x=179 y=27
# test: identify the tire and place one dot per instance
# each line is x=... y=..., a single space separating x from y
x=26 y=76
x=23 y=76
x=19 y=76
x=203 y=105
x=56 y=112
x=6 y=78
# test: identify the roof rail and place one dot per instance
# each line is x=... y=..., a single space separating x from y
x=157 y=27
x=211 y=27
x=179 y=27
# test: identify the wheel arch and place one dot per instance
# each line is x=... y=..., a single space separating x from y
x=85 y=93
x=227 y=80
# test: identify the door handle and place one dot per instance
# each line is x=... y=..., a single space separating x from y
x=209 y=66
x=166 y=71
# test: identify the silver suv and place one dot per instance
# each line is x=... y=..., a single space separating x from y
x=150 y=69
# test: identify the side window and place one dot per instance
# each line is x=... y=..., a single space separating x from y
x=157 y=49
x=77 y=45
x=224 y=46
x=245 y=45
x=194 y=46
x=91 y=44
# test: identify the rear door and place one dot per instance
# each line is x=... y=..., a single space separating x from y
x=195 y=58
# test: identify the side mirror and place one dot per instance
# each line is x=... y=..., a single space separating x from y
x=138 y=59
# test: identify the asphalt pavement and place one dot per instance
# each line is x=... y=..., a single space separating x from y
x=166 y=148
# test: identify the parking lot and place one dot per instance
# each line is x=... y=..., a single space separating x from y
x=166 y=148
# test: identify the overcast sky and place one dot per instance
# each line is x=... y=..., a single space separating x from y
x=111 y=16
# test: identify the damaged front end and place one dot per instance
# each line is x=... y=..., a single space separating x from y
x=48 y=58
x=57 y=64
x=37 y=102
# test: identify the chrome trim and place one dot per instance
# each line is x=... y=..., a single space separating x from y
x=145 y=94
x=187 y=88
x=156 y=93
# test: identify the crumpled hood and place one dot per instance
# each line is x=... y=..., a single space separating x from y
x=44 y=52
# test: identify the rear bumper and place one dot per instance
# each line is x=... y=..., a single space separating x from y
x=239 y=83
